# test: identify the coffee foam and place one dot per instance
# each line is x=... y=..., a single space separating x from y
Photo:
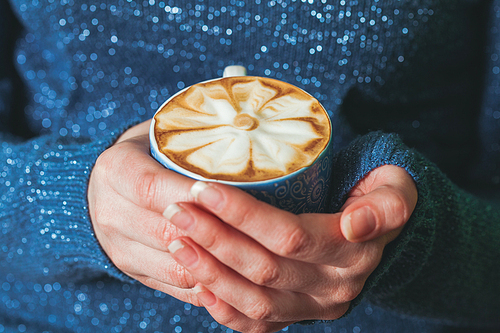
x=242 y=129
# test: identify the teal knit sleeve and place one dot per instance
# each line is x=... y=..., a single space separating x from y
x=45 y=228
x=444 y=264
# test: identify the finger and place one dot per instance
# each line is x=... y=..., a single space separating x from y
x=246 y=256
x=262 y=267
x=130 y=170
x=382 y=209
x=187 y=295
x=136 y=239
x=314 y=238
x=135 y=223
x=135 y=259
x=255 y=302
x=228 y=316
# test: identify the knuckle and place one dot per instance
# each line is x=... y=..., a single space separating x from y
x=399 y=205
x=368 y=267
x=212 y=280
x=370 y=259
x=349 y=292
x=260 y=311
x=295 y=244
x=146 y=188
x=364 y=262
x=396 y=209
x=175 y=275
x=144 y=183
x=246 y=213
x=399 y=200
x=352 y=294
x=182 y=279
x=213 y=243
x=164 y=233
x=266 y=274
x=336 y=311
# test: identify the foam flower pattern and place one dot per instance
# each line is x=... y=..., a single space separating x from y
x=242 y=128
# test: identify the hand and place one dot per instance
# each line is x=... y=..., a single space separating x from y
x=128 y=191
x=261 y=269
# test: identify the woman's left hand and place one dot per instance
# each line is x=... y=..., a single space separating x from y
x=261 y=269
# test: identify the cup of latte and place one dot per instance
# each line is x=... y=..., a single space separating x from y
x=265 y=136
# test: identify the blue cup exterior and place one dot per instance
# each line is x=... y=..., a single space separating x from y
x=303 y=191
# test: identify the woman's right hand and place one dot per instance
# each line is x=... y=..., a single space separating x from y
x=128 y=192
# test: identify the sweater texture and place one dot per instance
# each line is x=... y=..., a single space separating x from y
x=408 y=83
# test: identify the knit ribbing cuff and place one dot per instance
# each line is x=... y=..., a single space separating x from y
x=405 y=256
x=60 y=232
x=89 y=255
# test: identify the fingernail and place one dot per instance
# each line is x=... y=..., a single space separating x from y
x=204 y=295
x=178 y=216
x=207 y=195
x=359 y=224
x=183 y=253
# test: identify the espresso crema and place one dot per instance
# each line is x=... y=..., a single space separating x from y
x=242 y=129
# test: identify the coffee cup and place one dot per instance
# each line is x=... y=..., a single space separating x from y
x=265 y=136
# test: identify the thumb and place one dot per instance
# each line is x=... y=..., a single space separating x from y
x=381 y=212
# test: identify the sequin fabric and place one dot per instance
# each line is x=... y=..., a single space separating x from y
x=91 y=69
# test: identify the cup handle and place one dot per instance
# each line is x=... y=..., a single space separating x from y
x=235 y=70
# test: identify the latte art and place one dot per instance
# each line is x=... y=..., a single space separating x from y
x=242 y=129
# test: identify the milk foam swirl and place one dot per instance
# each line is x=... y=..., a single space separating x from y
x=242 y=129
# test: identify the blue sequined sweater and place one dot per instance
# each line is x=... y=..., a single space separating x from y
x=410 y=83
